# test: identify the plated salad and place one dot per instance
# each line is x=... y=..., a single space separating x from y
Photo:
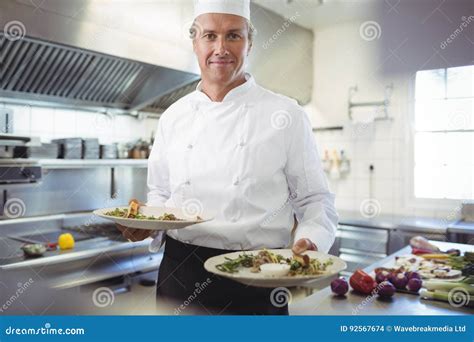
x=297 y=265
x=133 y=212
x=124 y=214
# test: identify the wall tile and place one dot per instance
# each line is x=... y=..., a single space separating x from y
x=345 y=203
x=122 y=129
x=344 y=187
x=87 y=125
x=42 y=121
x=64 y=123
x=21 y=119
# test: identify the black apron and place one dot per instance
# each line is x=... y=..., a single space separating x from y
x=185 y=287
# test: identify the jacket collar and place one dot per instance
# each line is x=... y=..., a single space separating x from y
x=233 y=94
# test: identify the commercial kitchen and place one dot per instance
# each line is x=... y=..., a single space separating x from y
x=388 y=88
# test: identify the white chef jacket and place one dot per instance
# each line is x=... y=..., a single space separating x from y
x=251 y=161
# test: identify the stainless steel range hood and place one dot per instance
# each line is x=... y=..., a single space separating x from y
x=46 y=57
x=47 y=72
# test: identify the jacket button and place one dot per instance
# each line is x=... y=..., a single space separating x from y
x=190 y=147
x=188 y=183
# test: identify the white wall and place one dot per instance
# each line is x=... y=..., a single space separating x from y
x=53 y=123
x=343 y=59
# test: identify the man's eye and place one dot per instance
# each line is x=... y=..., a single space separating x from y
x=234 y=36
x=210 y=36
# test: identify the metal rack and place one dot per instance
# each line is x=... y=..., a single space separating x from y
x=383 y=105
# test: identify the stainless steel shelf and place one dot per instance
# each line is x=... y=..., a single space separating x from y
x=84 y=163
x=77 y=163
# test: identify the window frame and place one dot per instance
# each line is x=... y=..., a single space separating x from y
x=410 y=201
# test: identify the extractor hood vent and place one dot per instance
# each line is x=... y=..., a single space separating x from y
x=167 y=100
x=36 y=70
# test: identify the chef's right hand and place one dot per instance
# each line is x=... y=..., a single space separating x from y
x=133 y=234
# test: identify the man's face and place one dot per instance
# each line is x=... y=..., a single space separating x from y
x=221 y=46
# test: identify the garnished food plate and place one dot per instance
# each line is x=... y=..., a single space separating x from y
x=152 y=218
x=275 y=267
x=432 y=266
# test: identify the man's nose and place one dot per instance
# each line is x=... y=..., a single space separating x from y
x=221 y=47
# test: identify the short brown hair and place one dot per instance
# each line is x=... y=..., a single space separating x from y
x=251 y=29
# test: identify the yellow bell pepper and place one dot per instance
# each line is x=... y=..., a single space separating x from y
x=66 y=241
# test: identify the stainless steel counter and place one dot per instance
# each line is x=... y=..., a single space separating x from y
x=395 y=222
x=325 y=303
x=100 y=255
x=461 y=227
x=90 y=261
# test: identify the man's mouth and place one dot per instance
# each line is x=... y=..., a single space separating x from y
x=221 y=62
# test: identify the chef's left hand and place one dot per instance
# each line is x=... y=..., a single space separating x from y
x=304 y=245
x=132 y=234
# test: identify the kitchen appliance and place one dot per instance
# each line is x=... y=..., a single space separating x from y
x=19 y=174
x=9 y=141
x=12 y=172
x=43 y=151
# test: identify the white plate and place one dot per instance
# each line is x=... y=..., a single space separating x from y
x=245 y=276
x=154 y=224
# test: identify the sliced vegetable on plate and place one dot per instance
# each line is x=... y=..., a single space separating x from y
x=139 y=216
x=275 y=267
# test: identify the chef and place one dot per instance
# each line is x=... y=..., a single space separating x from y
x=241 y=153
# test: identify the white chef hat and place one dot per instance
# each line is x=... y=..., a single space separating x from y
x=236 y=7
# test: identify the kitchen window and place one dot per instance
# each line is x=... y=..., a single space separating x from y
x=444 y=133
